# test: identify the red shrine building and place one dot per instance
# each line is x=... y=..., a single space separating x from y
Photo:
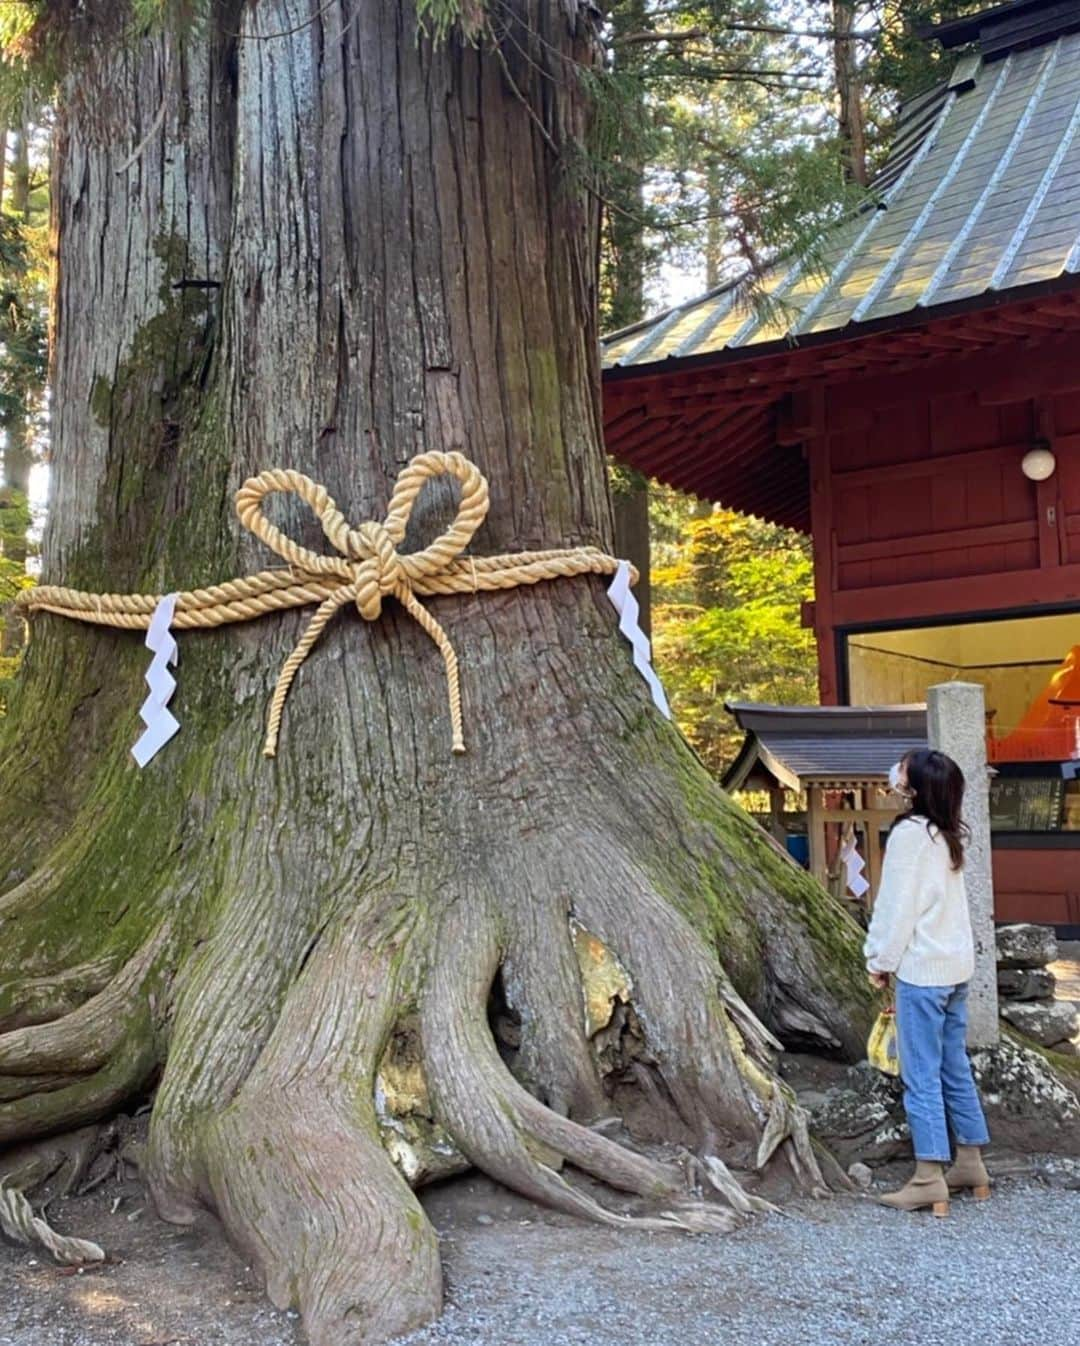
x=915 y=406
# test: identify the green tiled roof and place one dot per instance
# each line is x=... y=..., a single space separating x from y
x=981 y=195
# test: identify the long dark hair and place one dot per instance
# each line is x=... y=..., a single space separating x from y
x=936 y=784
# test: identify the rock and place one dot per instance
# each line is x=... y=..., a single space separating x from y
x=862 y=1117
x=1026 y=945
x=1069 y=1048
x=484 y=1218
x=1059 y=1172
x=860 y=1175
x=1026 y=983
x=1046 y=1022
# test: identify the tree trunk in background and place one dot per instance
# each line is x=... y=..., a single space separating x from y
x=849 y=92
x=362 y=964
x=19 y=203
x=626 y=305
x=18 y=457
x=715 y=236
x=630 y=498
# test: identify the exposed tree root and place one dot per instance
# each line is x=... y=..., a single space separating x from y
x=65 y=1161
x=39 y=1000
x=505 y=1130
x=294 y=1163
x=89 y=1098
x=542 y=983
x=13 y=1087
x=283 y=1140
x=86 y=1039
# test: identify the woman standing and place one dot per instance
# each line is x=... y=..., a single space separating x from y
x=921 y=933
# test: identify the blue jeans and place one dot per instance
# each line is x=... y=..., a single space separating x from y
x=939 y=1091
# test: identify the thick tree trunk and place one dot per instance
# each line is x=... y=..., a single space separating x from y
x=336 y=249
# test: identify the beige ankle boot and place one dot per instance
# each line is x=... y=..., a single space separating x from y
x=926 y=1188
x=969 y=1171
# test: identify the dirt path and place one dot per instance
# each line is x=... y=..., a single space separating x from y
x=835 y=1273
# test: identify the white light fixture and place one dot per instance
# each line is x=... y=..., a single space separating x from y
x=1038 y=464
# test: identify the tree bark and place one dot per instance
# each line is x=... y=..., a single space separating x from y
x=362 y=964
x=850 y=116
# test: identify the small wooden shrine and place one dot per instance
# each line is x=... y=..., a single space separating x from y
x=837 y=760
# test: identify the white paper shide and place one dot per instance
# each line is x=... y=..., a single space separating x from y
x=160 y=722
x=626 y=605
x=854 y=866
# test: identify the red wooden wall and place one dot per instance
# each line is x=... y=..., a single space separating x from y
x=919 y=506
x=920 y=510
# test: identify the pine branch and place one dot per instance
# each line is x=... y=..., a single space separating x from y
x=669 y=35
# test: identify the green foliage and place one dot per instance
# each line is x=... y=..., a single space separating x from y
x=438 y=17
x=14 y=523
x=17 y=21
x=727 y=595
x=900 y=63
x=22 y=318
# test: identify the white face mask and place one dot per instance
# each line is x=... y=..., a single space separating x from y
x=896 y=782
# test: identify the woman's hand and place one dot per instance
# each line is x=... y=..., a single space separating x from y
x=879 y=980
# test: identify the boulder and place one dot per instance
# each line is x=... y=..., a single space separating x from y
x=1025 y=945
x=1056 y=1171
x=861 y=1176
x=1045 y=1021
x=1029 y=1108
x=1026 y=983
x=862 y=1117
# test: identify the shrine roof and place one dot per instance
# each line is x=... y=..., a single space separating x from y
x=804 y=745
x=978 y=199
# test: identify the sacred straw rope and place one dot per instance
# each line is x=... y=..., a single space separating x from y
x=18 y=1221
x=367 y=568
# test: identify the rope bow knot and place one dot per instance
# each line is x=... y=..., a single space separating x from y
x=366 y=569
x=369 y=562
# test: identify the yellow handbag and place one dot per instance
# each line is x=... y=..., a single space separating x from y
x=882 y=1048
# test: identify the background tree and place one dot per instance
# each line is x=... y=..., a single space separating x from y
x=23 y=319
x=727 y=596
x=758 y=126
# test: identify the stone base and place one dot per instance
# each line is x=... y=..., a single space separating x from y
x=859 y=1113
x=1025 y=983
x=1044 y=1021
x=1026 y=945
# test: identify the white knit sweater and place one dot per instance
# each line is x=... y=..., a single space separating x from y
x=920 y=928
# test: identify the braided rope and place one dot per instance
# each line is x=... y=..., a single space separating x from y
x=18 y=1221
x=367 y=568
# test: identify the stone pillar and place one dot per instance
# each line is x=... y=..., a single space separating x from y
x=956 y=725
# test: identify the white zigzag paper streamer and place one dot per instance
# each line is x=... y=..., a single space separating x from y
x=160 y=722
x=626 y=605
x=854 y=864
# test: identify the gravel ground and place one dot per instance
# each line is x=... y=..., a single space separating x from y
x=842 y=1274
x=830 y=1273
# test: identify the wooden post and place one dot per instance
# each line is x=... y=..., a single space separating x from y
x=815 y=830
x=776 y=815
x=956 y=724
